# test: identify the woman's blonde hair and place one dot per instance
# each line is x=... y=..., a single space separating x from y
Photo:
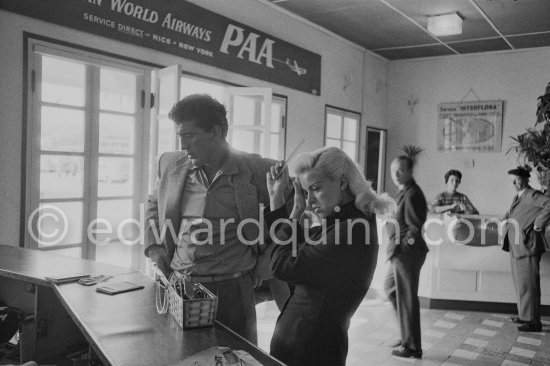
x=333 y=163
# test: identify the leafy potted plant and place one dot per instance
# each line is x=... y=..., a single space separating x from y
x=412 y=151
x=533 y=146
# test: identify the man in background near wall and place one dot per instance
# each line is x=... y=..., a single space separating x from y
x=528 y=215
x=211 y=183
x=406 y=251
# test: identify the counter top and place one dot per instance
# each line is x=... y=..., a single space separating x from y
x=127 y=329
x=34 y=265
x=123 y=329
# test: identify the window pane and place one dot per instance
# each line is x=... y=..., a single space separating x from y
x=245 y=141
x=334 y=126
x=115 y=176
x=117 y=91
x=116 y=134
x=274 y=146
x=61 y=225
x=191 y=86
x=63 y=81
x=113 y=251
x=349 y=148
x=62 y=130
x=167 y=94
x=61 y=176
x=115 y=211
x=276 y=116
x=245 y=110
x=68 y=252
x=332 y=142
x=167 y=136
x=350 y=129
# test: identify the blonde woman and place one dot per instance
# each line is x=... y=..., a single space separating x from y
x=329 y=267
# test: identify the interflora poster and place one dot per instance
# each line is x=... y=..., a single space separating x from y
x=470 y=126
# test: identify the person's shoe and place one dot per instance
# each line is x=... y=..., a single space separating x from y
x=517 y=320
x=530 y=327
x=407 y=353
x=395 y=343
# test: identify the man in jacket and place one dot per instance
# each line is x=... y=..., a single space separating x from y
x=406 y=251
x=207 y=201
x=527 y=217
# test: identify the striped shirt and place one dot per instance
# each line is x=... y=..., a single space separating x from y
x=446 y=198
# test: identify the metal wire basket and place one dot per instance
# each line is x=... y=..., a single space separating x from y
x=191 y=304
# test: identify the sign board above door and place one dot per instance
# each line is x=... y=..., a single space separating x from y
x=186 y=30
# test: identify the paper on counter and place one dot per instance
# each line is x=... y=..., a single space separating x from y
x=220 y=356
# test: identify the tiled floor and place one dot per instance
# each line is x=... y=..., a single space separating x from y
x=449 y=338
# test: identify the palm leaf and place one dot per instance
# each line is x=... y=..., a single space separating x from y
x=533 y=146
x=543 y=106
x=412 y=151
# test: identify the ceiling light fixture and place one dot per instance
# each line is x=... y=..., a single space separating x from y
x=445 y=24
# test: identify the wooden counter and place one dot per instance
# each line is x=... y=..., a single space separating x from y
x=33 y=265
x=126 y=329
x=123 y=329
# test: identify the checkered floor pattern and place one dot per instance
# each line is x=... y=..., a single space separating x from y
x=449 y=338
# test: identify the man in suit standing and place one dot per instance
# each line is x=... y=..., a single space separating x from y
x=528 y=216
x=204 y=193
x=406 y=251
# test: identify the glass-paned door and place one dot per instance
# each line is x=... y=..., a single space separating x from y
x=250 y=126
x=166 y=86
x=247 y=114
x=85 y=166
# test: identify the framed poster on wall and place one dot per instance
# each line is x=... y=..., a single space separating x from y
x=470 y=126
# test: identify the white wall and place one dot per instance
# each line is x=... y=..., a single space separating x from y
x=305 y=111
x=518 y=78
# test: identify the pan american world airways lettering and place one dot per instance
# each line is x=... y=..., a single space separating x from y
x=235 y=38
x=152 y=16
x=237 y=41
x=186 y=28
x=255 y=48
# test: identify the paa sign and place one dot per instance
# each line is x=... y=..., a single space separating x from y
x=186 y=30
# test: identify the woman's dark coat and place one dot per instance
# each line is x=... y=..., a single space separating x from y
x=328 y=282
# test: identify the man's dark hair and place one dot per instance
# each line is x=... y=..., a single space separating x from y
x=206 y=111
x=454 y=172
x=407 y=159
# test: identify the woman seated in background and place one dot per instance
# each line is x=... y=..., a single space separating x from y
x=452 y=201
x=329 y=267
